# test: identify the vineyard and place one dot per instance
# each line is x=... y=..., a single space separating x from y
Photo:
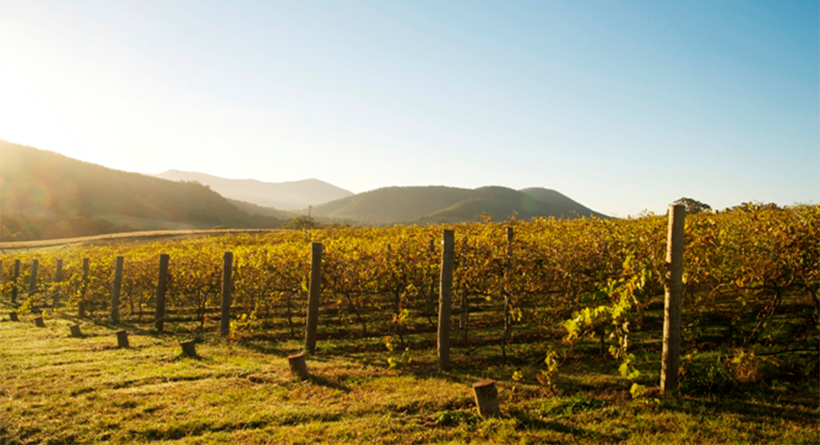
x=385 y=281
x=535 y=296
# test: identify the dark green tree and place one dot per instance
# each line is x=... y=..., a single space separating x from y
x=693 y=206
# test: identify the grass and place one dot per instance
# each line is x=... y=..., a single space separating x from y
x=59 y=389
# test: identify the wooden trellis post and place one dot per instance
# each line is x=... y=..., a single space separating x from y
x=81 y=306
x=15 y=277
x=162 y=284
x=58 y=277
x=115 y=292
x=32 y=284
x=445 y=299
x=672 y=300
x=313 y=297
x=225 y=322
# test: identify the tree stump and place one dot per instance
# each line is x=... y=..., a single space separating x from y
x=13 y=316
x=298 y=366
x=486 y=398
x=122 y=339
x=39 y=322
x=75 y=331
x=188 y=348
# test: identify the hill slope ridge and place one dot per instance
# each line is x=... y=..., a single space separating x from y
x=280 y=195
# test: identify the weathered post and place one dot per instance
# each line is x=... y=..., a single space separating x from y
x=465 y=303
x=672 y=301
x=58 y=277
x=445 y=299
x=227 y=263
x=298 y=366
x=15 y=277
x=75 y=330
x=115 y=292
x=506 y=294
x=83 y=302
x=122 y=339
x=32 y=284
x=162 y=283
x=486 y=398
x=188 y=348
x=313 y=297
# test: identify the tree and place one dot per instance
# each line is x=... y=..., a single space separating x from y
x=693 y=206
x=301 y=222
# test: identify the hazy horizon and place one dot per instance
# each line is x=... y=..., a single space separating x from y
x=622 y=107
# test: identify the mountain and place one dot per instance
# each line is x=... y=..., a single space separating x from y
x=439 y=204
x=560 y=203
x=47 y=195
x=253 y=209
x=280 y=195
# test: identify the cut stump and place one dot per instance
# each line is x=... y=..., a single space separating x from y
x=188 y=348
x=39 y=322
x=486 y=398
x=298 y=366
x=13 y=316
x=122 y=339
x=75 y=331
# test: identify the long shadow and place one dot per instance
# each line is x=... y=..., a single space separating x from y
x=321 y=381
x=269 y=349
x=747 y=410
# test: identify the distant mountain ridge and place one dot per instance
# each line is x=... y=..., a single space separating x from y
x=292 y=195
x=440 y=204
x=47 y=195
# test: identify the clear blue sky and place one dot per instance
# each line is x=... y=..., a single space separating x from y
x=621 y=105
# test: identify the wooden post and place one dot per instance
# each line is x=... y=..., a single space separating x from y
x=465 y=303
x=313 y=297
x=505 y=292
x=39 y=322
x=122 y=339
x=188 y=348
x=32 y=284
x=75 y=330
x=486 y=398
x=16 y=277
x=227 y=263
x=162 y=283
x=115 y=293
x=13 y=316
x=445 y=299
x=58 y=277
x=672 y=301
x=298 y=366
x=83 y=302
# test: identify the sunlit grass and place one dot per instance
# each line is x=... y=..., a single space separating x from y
x=59 y=389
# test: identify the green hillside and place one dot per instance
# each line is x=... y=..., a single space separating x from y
x=47 y=195
x=439 y=204
x=560 y=203
x=253 y=209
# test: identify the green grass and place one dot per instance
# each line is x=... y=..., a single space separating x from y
x=59 y=389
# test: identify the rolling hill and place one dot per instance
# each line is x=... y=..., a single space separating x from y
x=280 y=195
x=439 y=204
x=47 y=195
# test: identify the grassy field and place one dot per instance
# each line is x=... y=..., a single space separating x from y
x=59 y=389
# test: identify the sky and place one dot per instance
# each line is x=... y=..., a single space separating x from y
x=624 y=106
